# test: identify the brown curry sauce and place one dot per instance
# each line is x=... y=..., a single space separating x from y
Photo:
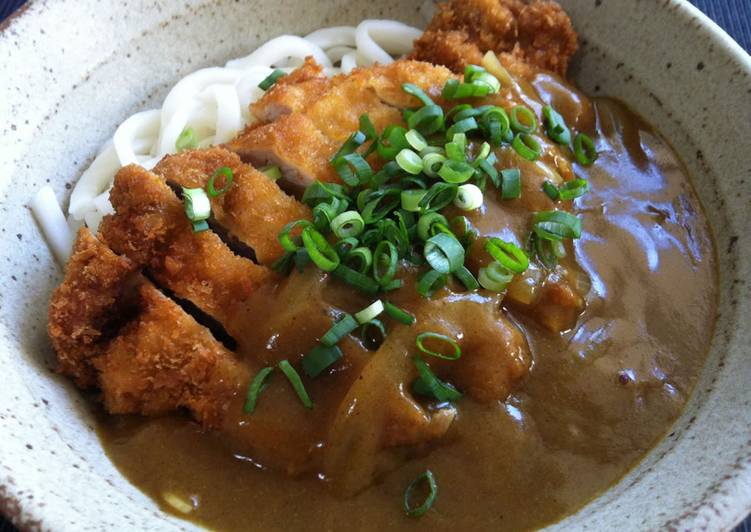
x=597 y=398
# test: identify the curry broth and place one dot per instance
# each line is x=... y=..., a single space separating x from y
x=596 y=400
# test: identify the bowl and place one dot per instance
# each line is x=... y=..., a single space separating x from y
x=72 y=71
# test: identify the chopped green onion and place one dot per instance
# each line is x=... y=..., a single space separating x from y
x=359 y=259
x=511 y=183
x=489 y=80
x=456 y=171
x=522 y=120
x=496 y=124
x=354 y=141
x=228 y=177
x=196 y=203
x=367 y=127
x=367 y=337
x=321 y=253
x=507 y=254
x=494 y=277
x=468 y=124
x=386 y=258
x=466 y=278
x=427 y=120
x=556 y=225
x=431 y=282
x=411 y=199
x=271 y=79
x=187 y=140
x=409 y=161
x=284 y=235
x=550 y=190
x=439 y=195
x=527 y=146
x=454 y=90
x=453 y=344
x=468 y=197
x=417 y=92
x=584 y=149
x=200 y=226
x=427 y=222
x=353 y=169
x=370 y=312
x=324 y=213
x=377 y=204
x=573 y=189
x=416 y=140
x=555 y=126
x=320 y=192
x=294 y=379
x=345 y=246
x=256 y=386
x=444 y=253
x=429 y=384
x=392 y=141
x=482 y=154
x=354 y=278
x=272 y=172
x=347 y=224
x=339 y=330
x=418 y=511
x=321 y=357
x=400 y=315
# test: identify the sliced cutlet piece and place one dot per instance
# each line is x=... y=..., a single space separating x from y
x=150 y=228
x=86 y=309
x=254 y=209
x=294 y=92
x=164 y=360
x=538 y=32
x=304 y=141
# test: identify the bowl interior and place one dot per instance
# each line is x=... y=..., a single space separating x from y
x=73 y=71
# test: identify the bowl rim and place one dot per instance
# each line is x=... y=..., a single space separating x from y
x=11 y=501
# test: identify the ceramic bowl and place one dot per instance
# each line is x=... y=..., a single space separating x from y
x=72 y=70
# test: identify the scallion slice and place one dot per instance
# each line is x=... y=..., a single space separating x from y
x=353 y=169
x=271 y=79
x=429 y=384
x=556 y=225
x=427 y=120
x=550 y=190
x=445 y=341
x=439 y=195
x=321 y=357
x=417 y=511
x=444 y=253
x=494 y=277
x=456 y=171
x=409 y=161
x=272 y=172
x=417 y=92
x=285 y=238
x=426 y=223
x=392 y=141
x=359 y=259
x=584 y=149
x=347 y=224
x=256 y=386
x=294 y=379
x=511 y=186
x=468 y=197
x=508 y=255
x=555 y=126
x=573 y=189
x=523 y=120
x=466 y=278
x=197 y=205
x=416 y=140
x=321 y=253
x=367 y=127
x=411 y=199
x=370 y=312
x=339 y=330
x=385 y=262
x=224 y=171
x=398 y=314
x=362 y=282
x=372 y=334
x=430 y=282
x=527 y=146
x=187 y=140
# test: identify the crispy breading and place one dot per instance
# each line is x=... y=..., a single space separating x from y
x=85 y=308
x=538 y=32
x=150 y=228
x=163 y=360
x=304 y=141
x=294 y=92
x=253 y=210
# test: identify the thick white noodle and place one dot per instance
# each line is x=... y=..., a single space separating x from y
x=51 y=219
x=214 y=102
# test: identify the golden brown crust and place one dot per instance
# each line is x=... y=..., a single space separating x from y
x=150 y=228
x=85 y=306
x=538 y=32
x=163 y=360
x=254 y=209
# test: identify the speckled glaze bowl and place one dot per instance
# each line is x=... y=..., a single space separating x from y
x=71 y=70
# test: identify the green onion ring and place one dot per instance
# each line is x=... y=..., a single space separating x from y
x=507 y=255
x=444 y=253
x=321 y=253
x=294 y=379
x=456 y=350
x=431 y=282
x=256 y=386
x=420 y=510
